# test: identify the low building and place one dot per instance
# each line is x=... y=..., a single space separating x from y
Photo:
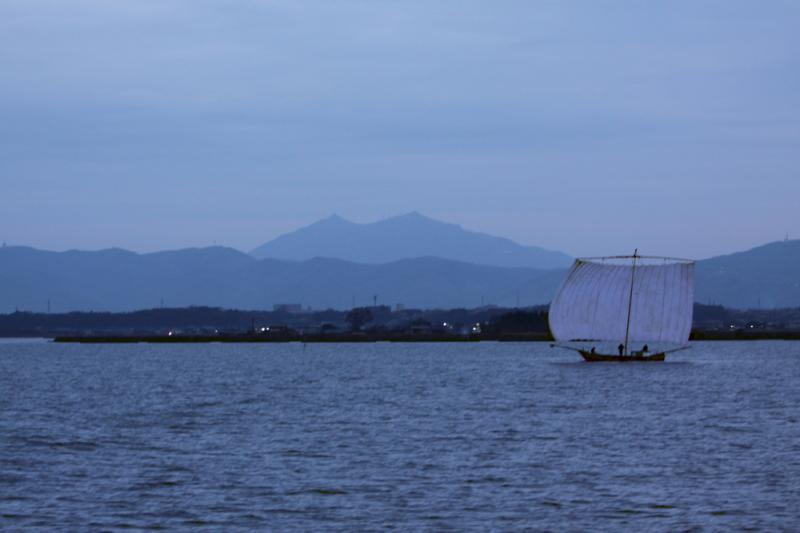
x=292 y=309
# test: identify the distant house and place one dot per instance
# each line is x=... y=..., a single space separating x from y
x=420 y=327
x=275 y=330
x=288 y=308
x=713 y=325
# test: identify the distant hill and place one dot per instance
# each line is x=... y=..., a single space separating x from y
x=766 y=276
x=118 y=280
x=114 y=279
x=402 y=237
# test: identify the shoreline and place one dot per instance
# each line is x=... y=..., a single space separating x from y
x=367 y=337
x=333 y=339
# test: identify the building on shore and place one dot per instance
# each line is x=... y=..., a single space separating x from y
x=292 y=309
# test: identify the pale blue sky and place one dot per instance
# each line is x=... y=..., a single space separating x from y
x=590 y=127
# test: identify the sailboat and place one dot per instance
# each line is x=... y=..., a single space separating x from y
x=631 y=300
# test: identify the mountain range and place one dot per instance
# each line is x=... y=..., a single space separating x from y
x=765 y=277
x=403 y=237
x=119 y=280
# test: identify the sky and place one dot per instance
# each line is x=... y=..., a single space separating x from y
x=591 y=127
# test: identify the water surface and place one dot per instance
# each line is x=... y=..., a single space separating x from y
x=415 y=436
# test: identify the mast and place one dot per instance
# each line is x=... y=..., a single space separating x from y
x=630 y=301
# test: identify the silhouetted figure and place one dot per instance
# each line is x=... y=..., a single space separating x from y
x=592 y=349
x=645 y=349
x=621 y=349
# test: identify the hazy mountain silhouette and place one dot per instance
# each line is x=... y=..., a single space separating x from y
x=118 y=280
x=766 y=276
x=402 y=237
x=114 y=279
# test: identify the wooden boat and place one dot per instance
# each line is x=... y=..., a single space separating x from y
x=627 y=300
x=593 y=357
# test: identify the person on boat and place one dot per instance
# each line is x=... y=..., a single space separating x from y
x=645 y=349
x=621 y=349
x=592 y=350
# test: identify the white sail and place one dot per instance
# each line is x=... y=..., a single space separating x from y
x=592 y=303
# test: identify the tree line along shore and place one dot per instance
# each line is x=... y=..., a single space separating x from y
x=361 y=324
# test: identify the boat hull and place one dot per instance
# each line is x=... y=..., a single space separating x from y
x=604 y=358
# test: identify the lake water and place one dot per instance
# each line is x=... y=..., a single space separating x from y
x=415 y=436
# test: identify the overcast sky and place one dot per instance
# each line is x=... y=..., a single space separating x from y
x=590 y=127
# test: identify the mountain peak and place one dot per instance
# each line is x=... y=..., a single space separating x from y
x=405 y=236
x=413 y=215
x=335 y=218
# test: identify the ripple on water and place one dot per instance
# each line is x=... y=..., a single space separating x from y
x=475 y=436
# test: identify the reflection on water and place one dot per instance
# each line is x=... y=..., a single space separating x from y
x=437 y=436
